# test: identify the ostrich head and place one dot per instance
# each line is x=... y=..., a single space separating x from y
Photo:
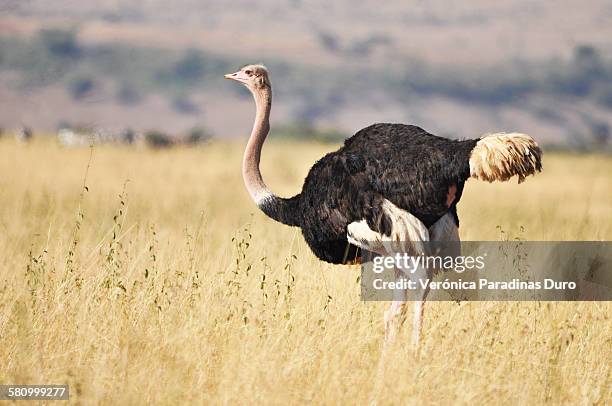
x=254 y=77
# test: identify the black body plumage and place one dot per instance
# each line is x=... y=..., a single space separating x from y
x=400 y=163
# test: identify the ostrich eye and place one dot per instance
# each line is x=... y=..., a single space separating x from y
x=248 y=72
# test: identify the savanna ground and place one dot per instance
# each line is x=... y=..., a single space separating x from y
x=160 y=282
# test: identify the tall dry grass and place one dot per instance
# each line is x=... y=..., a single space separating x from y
x=160 y=282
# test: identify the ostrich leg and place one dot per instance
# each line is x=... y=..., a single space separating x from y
x=421 y=274
x=396 y=314
x=408 y=235
x=444 y=230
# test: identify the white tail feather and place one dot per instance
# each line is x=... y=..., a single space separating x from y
x=501 y=156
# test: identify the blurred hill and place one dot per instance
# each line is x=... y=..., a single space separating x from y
x=458 y=70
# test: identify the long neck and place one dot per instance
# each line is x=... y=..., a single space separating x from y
x=283 y=210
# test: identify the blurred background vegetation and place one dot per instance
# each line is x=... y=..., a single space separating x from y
x=114 y=67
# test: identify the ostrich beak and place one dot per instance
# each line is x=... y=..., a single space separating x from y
x=237 y=76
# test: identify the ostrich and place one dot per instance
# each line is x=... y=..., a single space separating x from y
x=388 y=183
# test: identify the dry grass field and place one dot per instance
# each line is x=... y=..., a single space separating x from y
x=161 y=283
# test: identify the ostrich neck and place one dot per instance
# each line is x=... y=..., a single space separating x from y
x=280 y=209
x=252 y=154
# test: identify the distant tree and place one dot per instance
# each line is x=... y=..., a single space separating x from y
x=158 y=139
x=587 y=54
x=587 y=68
x=59 y=42
x=589 y=62
x=80 y=86
x=128 y=136
x=198 y=135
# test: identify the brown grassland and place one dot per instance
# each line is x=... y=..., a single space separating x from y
x=161 y=283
